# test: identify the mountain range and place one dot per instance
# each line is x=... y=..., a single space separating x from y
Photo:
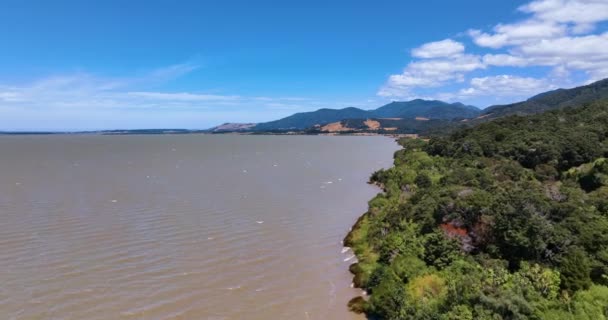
x=423 y=116
x=427 y=109
x=554 y=99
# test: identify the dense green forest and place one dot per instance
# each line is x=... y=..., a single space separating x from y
x=552 y=100
x=409 y=110
x=505 y=220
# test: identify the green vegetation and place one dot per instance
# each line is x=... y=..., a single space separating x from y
x=552 y=100
x=433 y=109
x=400 y=116
x=407 y=109
x=506 y=220
x=403 y=126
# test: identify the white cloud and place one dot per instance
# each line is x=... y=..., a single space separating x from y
x=591 y=47
x=556 y=35
x=583 y=13
x=549 y=19
x=505 y=85
x=96 y=100
x=439 y=49
x=181 y=96
x=430 y=73
x=173 y=71
x=504 y=60
x=583 y=53
x=552 y=37
x=517 y=33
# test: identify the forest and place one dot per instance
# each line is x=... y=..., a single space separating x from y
x=504 y=220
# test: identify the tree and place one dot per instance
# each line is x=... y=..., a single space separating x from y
x=575 y=267
x=423 y=181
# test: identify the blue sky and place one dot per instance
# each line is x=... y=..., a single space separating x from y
x=80 y=65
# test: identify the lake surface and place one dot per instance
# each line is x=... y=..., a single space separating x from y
x=181 y=226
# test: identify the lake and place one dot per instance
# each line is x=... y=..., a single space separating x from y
x=181 y=226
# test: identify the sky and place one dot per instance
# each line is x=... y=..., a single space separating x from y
x=89 y=65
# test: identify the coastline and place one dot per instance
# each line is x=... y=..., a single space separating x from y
x=146 y=132
x=365 y=259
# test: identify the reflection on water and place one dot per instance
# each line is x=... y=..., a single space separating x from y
x=181 y=227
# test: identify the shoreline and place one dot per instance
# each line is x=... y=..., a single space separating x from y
x=360 y=269
x=138 y=133
x=356 y=304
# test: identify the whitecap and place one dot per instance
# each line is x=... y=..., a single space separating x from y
x=350 y=258
x=233 y=288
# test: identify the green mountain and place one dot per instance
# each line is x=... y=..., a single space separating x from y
x=552 y=100
x=400 y=115
x=504 y=220
x=306 y=120
x=432 y=109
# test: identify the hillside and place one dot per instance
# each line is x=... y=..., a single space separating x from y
x=433 y=109
x=406 y=116
x=232 y=127
x=411 y=109
x=506 y=220
x=383 y=126
x=552 y=100
x=306 y=120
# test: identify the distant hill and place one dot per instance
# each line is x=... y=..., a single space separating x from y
x=410 y=116
x=384 y=125
x=305 y=120
x=428 y=109
x=232 y=127
x=550 y=100
x=432 y=109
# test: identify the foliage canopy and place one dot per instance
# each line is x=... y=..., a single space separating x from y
x=505 y=220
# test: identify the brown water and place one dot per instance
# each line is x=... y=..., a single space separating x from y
x=181 y=227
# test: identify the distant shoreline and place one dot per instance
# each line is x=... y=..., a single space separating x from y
x=199 y=132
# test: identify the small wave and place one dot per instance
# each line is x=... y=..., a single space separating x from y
x=350 y=258
x=233 y=288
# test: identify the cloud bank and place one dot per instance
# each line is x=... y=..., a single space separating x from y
x=564 y=39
